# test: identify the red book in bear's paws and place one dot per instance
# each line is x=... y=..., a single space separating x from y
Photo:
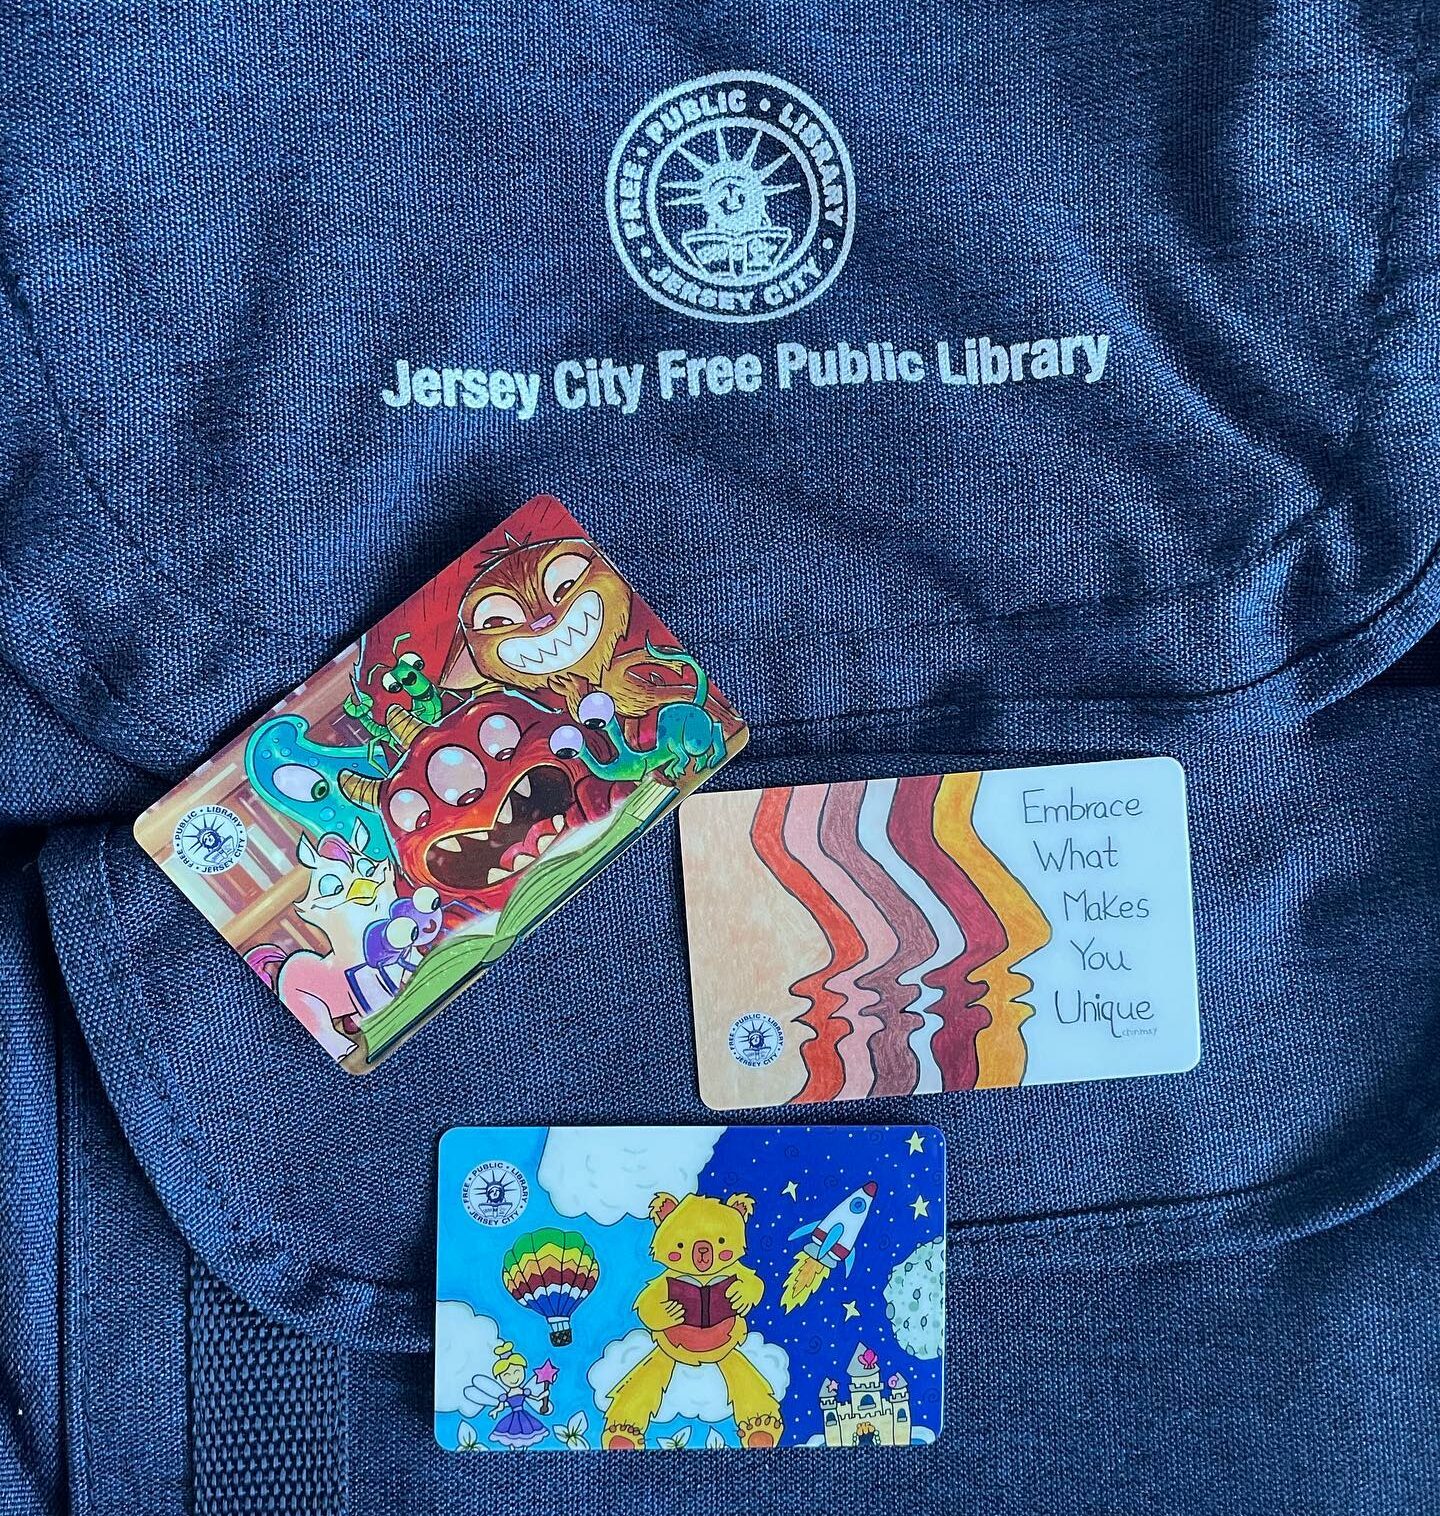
x=704 y=1305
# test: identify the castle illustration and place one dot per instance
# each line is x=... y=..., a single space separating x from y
x=870 y=1415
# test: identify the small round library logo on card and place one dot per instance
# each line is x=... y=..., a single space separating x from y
x=210 y=839
x=495 y=1192
x=755 y=1040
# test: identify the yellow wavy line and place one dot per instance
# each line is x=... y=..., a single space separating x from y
x=999 y=1047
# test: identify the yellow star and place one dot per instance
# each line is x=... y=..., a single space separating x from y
x=916 y=1143
x=920 y=1206
x=791 y=1191
x=851 y=1310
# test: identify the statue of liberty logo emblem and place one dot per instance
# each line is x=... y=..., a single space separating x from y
x=739 y=241
x=731 y=198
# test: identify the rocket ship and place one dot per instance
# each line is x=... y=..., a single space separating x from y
x=831 y=1241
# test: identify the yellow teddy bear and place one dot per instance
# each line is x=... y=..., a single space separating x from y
x=695 y=1310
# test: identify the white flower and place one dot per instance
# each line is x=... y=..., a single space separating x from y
x=572 y=1434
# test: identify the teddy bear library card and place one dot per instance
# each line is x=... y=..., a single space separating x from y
x=941 y=932
x=382 y=835
x=689 y=1287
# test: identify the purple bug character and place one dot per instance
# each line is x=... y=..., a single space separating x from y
x=394 y=947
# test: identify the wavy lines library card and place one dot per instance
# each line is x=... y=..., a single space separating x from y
x=621 y=1288
x=389 y=829
x=946 y=932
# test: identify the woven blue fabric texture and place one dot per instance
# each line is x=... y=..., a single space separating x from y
x=228 y=233
x=269 y=1410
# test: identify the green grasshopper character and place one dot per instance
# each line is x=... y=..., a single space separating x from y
x=407 y=676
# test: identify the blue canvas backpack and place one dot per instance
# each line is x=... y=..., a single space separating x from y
x=223 y=229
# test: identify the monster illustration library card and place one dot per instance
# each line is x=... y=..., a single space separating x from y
x=946 y=932
x=394 y=825
x=689 y=1287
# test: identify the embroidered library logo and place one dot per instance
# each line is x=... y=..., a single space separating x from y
x=731 y=198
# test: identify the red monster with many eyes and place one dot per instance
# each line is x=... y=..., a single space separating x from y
x=477 y=798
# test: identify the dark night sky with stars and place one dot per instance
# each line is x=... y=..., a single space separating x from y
x=827 y=1163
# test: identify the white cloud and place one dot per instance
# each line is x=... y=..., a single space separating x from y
x=609 y=1172
x=464 y=1347
x=697 y=1391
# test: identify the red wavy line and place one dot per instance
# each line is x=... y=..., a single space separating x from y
x=963 y=1016
x=768 y=835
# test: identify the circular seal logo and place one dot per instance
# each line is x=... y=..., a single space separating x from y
x=495 y=1192
x=731 y=198
x=210 y=839
x=755 y=1040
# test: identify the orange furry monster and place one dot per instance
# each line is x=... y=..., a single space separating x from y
x=695 y=1311
x=547 y=616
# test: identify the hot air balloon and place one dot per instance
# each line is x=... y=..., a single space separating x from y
x=551 y=1272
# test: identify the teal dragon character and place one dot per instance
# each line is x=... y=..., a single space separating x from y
x=686 y=733
x=301 y=779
